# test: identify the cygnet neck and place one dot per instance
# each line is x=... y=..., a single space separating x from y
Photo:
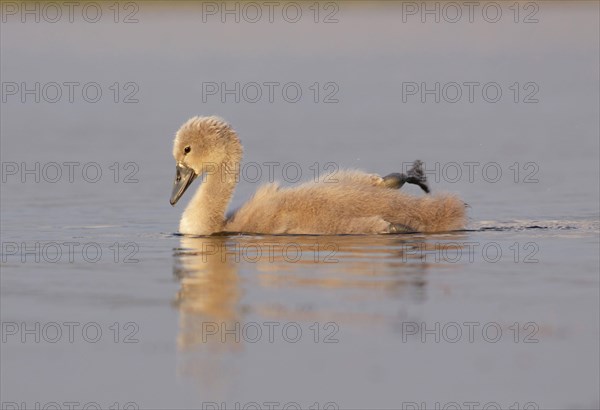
x=205 y=214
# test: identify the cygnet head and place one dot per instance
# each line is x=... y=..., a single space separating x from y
x=202 y=144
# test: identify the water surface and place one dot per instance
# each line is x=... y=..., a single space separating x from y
x=504 y=313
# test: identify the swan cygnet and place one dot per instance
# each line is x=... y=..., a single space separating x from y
x=350 y=202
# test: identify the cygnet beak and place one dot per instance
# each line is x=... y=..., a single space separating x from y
x=183 y=178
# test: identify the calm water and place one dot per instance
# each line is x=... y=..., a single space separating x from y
x=104 y=305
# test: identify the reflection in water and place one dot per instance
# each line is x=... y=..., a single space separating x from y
x=214 y=271
x=210 y=289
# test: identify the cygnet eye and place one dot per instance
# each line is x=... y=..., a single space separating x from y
x=187 y=149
